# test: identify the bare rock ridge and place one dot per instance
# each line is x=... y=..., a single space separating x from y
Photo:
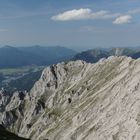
x=78 y=101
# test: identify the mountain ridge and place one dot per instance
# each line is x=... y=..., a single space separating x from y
x=94 y=55
x=79 y=101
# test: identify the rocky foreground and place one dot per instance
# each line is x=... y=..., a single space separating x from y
x=78 y=101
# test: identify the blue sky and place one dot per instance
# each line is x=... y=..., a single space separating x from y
x=71 y=23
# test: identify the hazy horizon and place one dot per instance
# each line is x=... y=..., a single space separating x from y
x=75 y=48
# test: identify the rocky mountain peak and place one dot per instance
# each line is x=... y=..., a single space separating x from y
x=79 y=101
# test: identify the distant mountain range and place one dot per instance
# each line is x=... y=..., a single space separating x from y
x=95 y=55
x=36 y=55
x=13 y=57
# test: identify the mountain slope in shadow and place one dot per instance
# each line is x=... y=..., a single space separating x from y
x=5 y=135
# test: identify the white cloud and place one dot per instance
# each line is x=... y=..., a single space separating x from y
x=123 y=19
x=73 y=15
x=83 y=14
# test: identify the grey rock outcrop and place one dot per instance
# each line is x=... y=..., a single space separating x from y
x=79 y=101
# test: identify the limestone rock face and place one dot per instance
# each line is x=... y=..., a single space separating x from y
x=78 y=101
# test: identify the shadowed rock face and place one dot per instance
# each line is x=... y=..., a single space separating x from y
x=5 y=135
x=79 y=101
